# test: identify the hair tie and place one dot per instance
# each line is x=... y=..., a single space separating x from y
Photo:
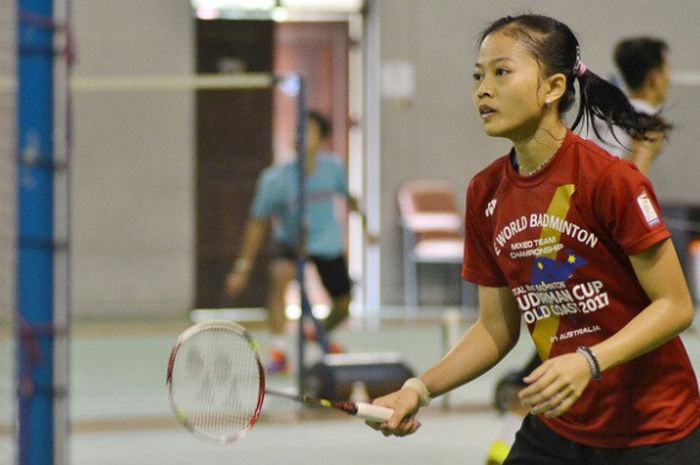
x=581 y=69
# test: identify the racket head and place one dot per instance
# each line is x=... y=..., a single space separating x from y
x=216 y=381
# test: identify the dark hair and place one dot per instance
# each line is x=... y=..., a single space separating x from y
x=636 y=57
x=324 y=124
x=556 y=48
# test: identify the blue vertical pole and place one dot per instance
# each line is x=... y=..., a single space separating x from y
x=36 y=225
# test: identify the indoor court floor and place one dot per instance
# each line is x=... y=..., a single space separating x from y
x=120 y=413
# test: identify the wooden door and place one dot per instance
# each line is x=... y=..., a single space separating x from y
x=234 y=144
x=236 y=130
x=319 y=52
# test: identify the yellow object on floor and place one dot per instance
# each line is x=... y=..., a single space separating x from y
x=498 y=453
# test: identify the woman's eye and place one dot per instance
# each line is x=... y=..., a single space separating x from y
x=501 y=72
x=476 y=76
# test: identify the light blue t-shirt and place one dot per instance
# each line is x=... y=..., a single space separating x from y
x=276 y=197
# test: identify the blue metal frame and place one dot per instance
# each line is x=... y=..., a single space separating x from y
x=35 y=264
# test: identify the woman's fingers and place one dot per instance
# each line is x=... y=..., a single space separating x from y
x=551 y=403
x=405 y=403
x=407 y=425
x=564 y=404
x=540 y=389
x=555 y=385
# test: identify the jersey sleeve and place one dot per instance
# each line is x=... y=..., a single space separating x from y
x=263 y=202
x=479 y=265
x=626 y=205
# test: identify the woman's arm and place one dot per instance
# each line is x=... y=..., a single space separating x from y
x=669 y=313
x=558 y=383
x=491 y=337
x=482 y=346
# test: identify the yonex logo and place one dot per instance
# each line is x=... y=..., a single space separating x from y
x=490 y=208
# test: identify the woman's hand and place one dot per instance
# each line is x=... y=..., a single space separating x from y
x=556 y=385
x=405 y=403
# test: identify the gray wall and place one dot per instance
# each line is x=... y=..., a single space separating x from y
x=438 y=134
x=132 y=162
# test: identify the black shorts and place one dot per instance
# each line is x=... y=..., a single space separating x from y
x=536 y=444
x=333 y=271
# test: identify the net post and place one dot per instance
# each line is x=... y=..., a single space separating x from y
x=39 y=440
x=304 y=303
x=300 y=143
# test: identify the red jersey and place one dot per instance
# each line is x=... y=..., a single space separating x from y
x=560 y=240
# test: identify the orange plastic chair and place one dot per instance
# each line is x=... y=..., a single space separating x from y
x=432 y=228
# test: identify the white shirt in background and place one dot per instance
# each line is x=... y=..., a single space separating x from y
x=620 y=143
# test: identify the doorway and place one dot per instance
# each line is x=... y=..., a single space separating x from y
x=242 y=131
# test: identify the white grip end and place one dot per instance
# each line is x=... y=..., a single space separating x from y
x=372 y=412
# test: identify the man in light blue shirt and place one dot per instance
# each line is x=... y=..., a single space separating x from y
x=276 y=201
x=277 y=197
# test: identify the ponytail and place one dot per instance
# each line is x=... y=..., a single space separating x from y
x=603 y=100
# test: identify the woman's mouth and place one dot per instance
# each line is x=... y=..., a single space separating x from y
x=486 y=112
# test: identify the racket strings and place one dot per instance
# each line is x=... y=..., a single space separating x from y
x=216 y=387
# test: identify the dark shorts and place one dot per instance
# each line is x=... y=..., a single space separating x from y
x=333 y=271
x=536 y=444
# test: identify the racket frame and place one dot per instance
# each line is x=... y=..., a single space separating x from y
x=361 y=410
x=189 y=333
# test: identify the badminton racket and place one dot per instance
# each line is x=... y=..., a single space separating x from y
x=216 y=384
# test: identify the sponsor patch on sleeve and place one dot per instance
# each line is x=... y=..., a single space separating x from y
x=646 y=206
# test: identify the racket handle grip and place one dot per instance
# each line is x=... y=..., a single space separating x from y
x=375 y=413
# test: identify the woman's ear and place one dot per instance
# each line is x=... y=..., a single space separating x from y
x=554 y=87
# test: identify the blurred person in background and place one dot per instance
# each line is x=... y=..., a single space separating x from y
x=276 y=202
x=645 y=68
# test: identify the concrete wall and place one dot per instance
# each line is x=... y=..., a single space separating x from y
x=133 y=162
x=438 y=135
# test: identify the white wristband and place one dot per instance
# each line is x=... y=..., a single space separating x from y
x=419 y=386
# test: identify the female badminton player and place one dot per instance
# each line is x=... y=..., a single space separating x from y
x=568 y=239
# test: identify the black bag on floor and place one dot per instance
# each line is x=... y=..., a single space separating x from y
x=336 y=376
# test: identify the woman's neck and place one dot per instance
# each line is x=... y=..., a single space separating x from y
x=534 y=151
